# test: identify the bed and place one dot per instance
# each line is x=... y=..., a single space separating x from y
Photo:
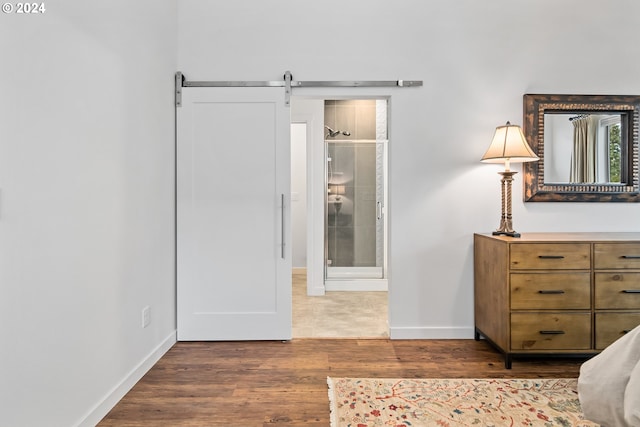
x=609 y=384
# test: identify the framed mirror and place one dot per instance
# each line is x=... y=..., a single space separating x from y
x=588 y=148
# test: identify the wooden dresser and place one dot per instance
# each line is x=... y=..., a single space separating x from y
x=556 y=293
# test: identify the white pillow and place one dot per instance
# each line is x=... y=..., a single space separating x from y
x=632 y=398
x=604 y=379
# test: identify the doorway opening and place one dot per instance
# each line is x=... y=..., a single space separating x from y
x=338 y=210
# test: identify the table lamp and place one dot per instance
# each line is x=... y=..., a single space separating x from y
x=508 y=146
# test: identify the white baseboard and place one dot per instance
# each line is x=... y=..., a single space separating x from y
x=117 y=393
x=431 y=332
x=316 y=292
x=356 y=285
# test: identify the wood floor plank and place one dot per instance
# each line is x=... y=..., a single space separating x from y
x=285 y=383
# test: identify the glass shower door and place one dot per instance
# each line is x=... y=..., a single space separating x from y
x=354 y=209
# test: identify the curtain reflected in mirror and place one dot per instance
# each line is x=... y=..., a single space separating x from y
x=583 y=158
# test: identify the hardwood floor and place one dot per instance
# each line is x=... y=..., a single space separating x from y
x=284 y=383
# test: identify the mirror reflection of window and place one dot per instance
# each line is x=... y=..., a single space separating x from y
x=612 y=128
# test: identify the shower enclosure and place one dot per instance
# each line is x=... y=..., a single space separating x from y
x=355 y=148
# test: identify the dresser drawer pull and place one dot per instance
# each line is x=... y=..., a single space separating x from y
x=551 y=332
x=551 y=256
x=631 y=291
x=551 y=291
x=630 y=256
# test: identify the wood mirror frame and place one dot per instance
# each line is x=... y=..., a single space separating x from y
x=535 y=188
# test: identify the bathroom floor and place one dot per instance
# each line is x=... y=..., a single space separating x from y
x=338 y=314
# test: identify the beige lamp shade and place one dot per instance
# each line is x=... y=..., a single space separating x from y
x=337 y=189
x=509 y=145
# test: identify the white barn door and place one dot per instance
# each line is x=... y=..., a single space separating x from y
x=233 y=214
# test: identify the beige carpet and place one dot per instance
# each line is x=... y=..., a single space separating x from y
x=362 y=402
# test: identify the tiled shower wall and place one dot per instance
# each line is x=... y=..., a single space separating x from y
x=357 y=116
x=351 y=231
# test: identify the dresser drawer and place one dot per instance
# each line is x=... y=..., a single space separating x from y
x=545 y=256
x=611 y=326
x=550 y=291
x=617 y=290
x=616 y=255
x=550 y=331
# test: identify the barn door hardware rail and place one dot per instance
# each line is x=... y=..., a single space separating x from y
x=288 y=83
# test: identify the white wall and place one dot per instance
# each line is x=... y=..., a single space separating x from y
x=476 y=59
x=558 y=147
x=311 y=113
x=299 y=195
x=86 y=205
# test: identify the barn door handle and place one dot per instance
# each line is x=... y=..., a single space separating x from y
x=282 y=226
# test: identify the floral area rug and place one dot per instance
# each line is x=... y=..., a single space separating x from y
x=362 y=402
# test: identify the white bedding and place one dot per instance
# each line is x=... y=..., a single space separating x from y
x=609 y=384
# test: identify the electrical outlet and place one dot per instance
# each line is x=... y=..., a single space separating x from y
x=145 y=317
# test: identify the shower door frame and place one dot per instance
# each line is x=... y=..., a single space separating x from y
x=354 y=282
